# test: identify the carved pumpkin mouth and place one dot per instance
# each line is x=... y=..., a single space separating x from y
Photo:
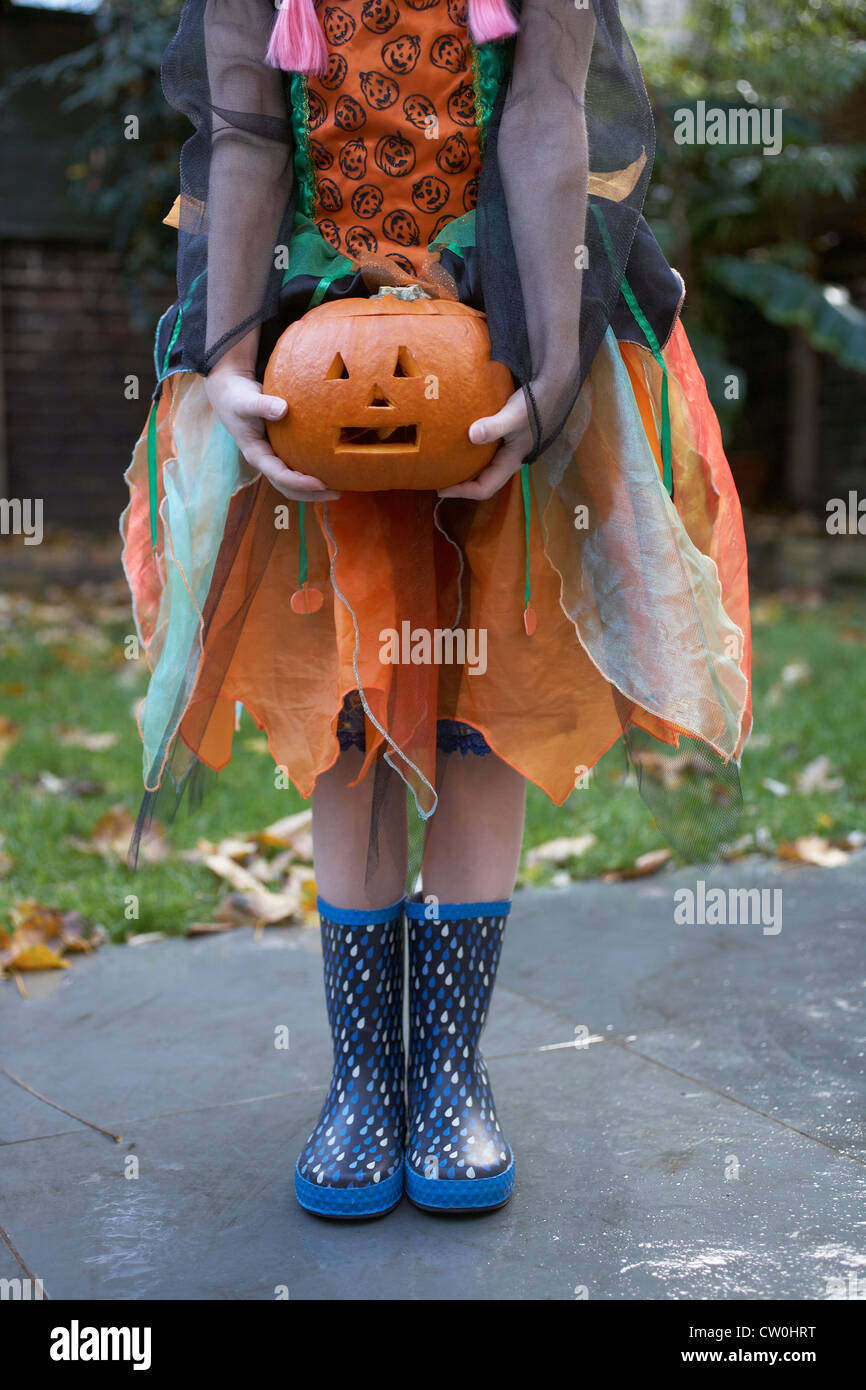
x=384 y=439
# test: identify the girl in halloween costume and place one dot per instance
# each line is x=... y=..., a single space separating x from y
x=497 y=155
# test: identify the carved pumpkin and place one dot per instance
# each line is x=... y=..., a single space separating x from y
x=382 y=391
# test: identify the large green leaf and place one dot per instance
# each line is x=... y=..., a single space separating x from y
x=830 y=321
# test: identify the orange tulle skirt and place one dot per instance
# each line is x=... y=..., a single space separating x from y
x=640 y=599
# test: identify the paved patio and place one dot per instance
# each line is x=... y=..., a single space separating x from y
x=705 y=1141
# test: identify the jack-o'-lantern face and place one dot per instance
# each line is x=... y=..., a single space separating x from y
x=381 y=393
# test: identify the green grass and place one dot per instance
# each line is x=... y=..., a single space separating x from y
x=66 y=668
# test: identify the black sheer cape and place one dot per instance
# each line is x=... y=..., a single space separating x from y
x=549 y=257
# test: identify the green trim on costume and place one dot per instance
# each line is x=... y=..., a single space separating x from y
x=491 y=64
x=646 y=327
x=305 y=169
x=153 y=491
x=152 y=482
x=302 y=545
x=526 y=488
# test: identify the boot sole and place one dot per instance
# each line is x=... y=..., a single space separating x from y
x=456 y=1196
x=350 y=1203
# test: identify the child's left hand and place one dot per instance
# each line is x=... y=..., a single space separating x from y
x=511 y=425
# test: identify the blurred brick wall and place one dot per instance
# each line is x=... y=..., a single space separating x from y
x=68 y=345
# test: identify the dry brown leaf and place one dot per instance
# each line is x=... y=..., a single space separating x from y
x=255 y=745
x=85 y=738
x=283 y=834
x=208 y=928
x=812 y=849
x=8 y=734
x=7 y=860
x=235 y=874
x=111 y=833
x=777 y=788
x=28 y=950
x=259 y=907
x=41 y=934
x=80 y=935
x=53 y=785
x=559 y=851
x=73 y=657
x=643 y=866
x=796 y=673
x=30 y=915
x=854 y=839
x=234 y=847
x=815 y=778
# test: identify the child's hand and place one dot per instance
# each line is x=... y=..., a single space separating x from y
x=237 y=399
x=511 y=425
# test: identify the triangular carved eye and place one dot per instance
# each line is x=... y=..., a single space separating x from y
x=337 y=369
x=406 y=364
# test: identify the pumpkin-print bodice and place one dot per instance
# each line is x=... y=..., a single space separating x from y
x=393 y=125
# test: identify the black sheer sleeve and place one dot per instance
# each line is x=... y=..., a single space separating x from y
x=552 y=256
x=236 y=173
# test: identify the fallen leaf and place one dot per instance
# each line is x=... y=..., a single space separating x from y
x=30 y=915
x=28 y=950
x=145 y=938
x=208 y=928
x=53 y=785
x=812 y=849
x=235 y=874
x=814 y=777
x=643 y=866
x=84 y=738
x=80 y=935
x=855 y=839
x=284 y=834
x=111 y=834
x=8 y=734
x=777 y=788
x=255 y=745
x=7 y=860
x=559 y=851
x=259 y=907
x=796 y=673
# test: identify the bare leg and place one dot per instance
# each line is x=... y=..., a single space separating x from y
x=341 y=837
x=472 y=850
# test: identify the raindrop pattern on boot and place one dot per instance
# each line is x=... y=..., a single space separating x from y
x=358 y=1140
x=453 y=1132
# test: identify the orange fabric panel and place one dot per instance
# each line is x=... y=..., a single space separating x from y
x=393 y=131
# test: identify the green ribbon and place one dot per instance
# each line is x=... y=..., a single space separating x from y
x=527 y=508
x=648 y=332
x=302 y=545
x=152 y=475
x=151 y=471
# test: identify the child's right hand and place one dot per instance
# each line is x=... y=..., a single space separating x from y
x=237 y=398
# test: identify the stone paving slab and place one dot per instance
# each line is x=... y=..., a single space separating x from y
x=660 y=1160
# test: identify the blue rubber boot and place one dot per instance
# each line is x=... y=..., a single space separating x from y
x=352 y=1164
x=457 y=1158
